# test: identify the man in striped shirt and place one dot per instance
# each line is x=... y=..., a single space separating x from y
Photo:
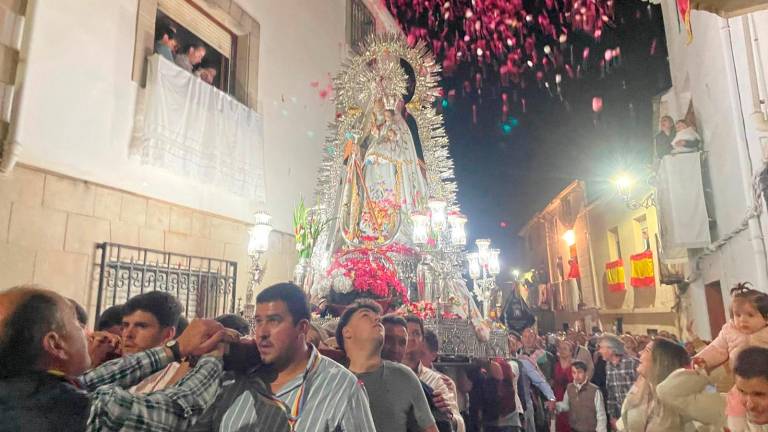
x=320 y=394
x=445 y=399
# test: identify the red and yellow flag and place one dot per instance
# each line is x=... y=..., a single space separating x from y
x=684 y=13
x=642 y=270
x=614 y=273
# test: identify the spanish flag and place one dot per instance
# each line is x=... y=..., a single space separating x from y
x=642 y=270
x=684 y=14
x=614 y=273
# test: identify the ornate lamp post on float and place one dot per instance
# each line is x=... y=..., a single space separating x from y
x=484 y=266
x=434 y=232
x=258 y=243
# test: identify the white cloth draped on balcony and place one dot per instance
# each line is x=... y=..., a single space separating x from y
x=194 y=130
x=680 y=198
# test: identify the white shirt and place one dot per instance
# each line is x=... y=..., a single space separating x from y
x=435 y=380
x=599 y=407
x=157 y=381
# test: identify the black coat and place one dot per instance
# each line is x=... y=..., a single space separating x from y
x=41 y=402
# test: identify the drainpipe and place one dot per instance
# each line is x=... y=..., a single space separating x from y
x=755 y=231
x=11 y=146
x=756 y=72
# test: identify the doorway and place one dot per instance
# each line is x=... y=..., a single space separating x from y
x=715 y=306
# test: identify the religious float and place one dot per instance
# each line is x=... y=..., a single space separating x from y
x=387 y=225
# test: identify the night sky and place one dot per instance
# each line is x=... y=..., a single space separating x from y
x=509 y=167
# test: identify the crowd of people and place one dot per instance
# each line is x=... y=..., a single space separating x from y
x=189 y=56
x=145 y=368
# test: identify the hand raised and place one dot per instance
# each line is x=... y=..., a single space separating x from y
x=203 y=336
x=441 y=403
x=101 y=345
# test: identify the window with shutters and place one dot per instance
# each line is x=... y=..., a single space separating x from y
x=360 y=23
x=230 y=35
x=194 y=27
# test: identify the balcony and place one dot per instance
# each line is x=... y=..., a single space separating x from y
x=191 y=129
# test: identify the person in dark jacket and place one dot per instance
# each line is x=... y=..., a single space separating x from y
x=43 y=387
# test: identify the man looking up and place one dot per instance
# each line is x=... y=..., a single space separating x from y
x=321 y=394
x=394 y=391
x=43 y=350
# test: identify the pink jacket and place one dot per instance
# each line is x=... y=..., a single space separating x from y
x=729 y=343
x=726 y=346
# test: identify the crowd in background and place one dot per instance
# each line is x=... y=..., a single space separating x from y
x=144 y=367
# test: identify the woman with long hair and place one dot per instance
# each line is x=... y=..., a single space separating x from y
x=668 y=397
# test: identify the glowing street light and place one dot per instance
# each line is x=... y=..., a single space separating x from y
x=624 y=184
x=569 y=237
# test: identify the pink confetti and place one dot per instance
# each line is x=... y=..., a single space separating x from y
x=597 y=104
x=516 y=43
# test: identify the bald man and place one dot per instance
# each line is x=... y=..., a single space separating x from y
x=44 y=385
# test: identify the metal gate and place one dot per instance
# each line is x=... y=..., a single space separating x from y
x=204 y=286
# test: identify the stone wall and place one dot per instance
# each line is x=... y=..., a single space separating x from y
x=50 y=225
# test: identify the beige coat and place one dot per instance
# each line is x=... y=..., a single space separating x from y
x=674 y=405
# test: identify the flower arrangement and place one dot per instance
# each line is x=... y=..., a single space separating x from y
x=306 y=229
x=378 y=213
x=369 y=271
x=422 y=309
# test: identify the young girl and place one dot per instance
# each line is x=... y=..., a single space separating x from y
x=748 y=327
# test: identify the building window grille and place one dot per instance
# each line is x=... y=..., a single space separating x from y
x=205 y=287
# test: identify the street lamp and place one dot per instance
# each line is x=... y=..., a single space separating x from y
x=434 y=232
x=484 y=265
x=445 y=228
x=569 y=237
x=624 y=184
x=258 y=243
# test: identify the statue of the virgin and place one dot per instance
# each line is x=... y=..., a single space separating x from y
x=383 y=183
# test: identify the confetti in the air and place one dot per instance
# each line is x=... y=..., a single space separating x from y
x=514 y=43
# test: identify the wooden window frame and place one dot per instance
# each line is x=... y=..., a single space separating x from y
x=244 y=60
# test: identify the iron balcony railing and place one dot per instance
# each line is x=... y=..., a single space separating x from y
x=204 y=286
